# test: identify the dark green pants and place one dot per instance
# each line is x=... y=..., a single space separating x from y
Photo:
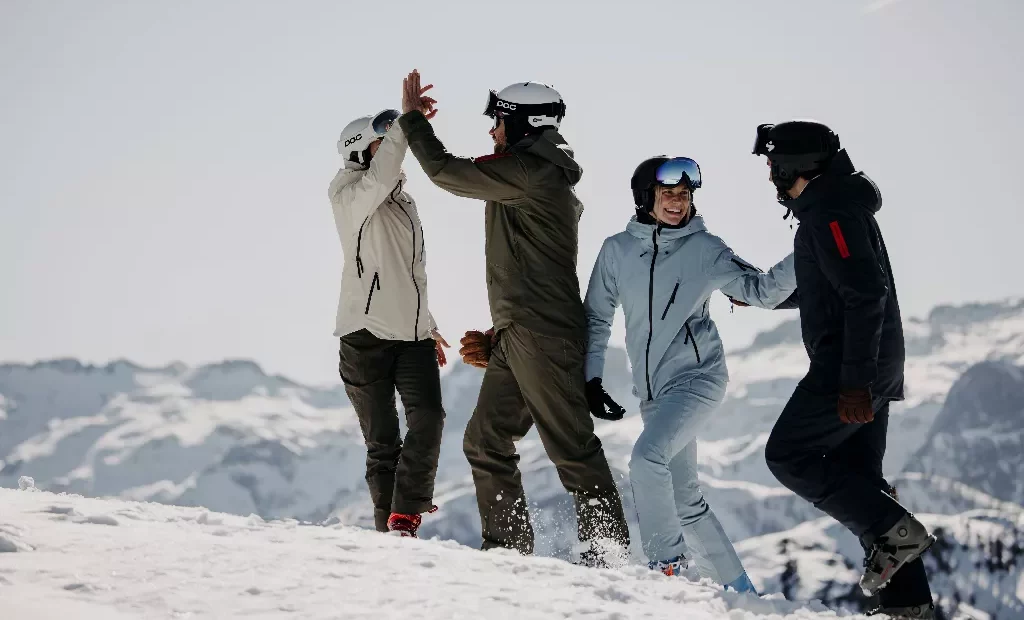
x=538 y=380
x=401 y=478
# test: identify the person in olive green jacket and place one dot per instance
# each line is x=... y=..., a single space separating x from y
x=534 y=353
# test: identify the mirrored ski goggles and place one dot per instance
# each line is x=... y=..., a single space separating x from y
x=383 y=121
x=496 y=106
x=676 y=170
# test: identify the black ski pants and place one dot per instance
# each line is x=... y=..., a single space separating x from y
x=532 y=379
x=838 y=468
x=400 y=477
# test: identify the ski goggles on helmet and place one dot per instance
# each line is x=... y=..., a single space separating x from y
x=383 y=121
x=498 y=107
x=678 y=170
x=763 y=144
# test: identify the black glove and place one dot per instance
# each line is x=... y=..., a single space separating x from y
x=597 y=398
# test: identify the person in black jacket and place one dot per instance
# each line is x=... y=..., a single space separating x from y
x=828 y=443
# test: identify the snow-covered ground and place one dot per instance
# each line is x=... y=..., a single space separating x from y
x=65 y=556
x=230 y=438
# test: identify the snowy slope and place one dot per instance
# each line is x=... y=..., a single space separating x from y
x=70 y=557
x=231 y=438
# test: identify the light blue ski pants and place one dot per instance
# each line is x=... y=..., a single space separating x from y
x=674 y=518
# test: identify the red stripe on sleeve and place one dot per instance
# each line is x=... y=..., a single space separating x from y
x=837 y=234
x=484 y=158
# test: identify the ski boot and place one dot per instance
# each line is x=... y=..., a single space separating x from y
x=912 y=612
x=405 y=525
x=672 y=567
x=904 y=542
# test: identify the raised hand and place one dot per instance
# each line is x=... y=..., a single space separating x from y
x=412 y=96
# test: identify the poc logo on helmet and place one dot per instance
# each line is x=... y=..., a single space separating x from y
x=353 y=139
x=506 y=105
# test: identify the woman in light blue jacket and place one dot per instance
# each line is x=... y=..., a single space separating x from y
x=662 y=270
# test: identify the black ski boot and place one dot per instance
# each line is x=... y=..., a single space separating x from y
x=904 y=542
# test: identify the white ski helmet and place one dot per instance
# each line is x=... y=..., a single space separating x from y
x=356 y=137
x=531 y=105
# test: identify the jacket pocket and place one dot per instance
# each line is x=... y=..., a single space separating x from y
x=689 y=338
x=375 y=284
x=671 y=300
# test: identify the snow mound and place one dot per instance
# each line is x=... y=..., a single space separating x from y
x=166 y=563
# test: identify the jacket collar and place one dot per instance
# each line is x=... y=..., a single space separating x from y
x=821 y=186
x=645 y=232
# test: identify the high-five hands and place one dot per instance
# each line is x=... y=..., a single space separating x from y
x=412 y=96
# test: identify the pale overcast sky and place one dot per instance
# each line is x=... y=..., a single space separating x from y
x=164 y=165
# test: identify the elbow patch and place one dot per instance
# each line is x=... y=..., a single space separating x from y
x=837 y=234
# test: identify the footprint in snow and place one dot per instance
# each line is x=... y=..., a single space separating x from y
x=207 y=519
x=80 y=587
x=10 y=544
x=65 y=511
x=97 y=520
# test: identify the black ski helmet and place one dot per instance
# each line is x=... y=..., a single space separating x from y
x=795 y=149
x=645 y=177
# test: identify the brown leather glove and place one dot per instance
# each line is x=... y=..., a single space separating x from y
x=476 y=348
x=855 y=406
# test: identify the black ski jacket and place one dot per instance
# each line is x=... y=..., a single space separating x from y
x=849 y=314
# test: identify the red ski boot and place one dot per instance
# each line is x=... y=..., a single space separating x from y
x=406 y=525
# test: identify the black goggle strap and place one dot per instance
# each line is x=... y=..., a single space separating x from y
x=497 y=106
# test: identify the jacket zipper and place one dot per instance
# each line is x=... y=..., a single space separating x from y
x=689 y=338
x=359 y=247
x=650 y=316
x=374 y=283
x=671 y=300
x=412 y=273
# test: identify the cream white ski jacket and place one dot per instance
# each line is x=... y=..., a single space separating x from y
x=384 y=280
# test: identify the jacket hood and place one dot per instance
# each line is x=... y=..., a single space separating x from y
x=552 y=147
x=840 y=181
x=645 y=232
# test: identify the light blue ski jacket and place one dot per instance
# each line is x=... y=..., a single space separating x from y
x=663 y=279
